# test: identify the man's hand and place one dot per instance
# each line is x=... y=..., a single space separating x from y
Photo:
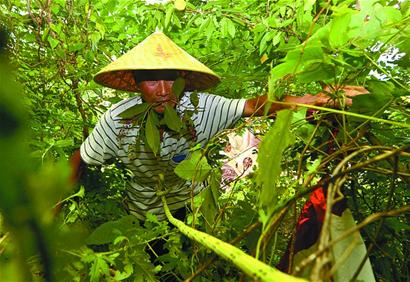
x=255 y=106
x=327 y=98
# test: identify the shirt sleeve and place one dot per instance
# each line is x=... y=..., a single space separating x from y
x=101 y=145
x=218 y=113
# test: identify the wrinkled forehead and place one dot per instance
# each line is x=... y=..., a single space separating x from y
x=152 y=75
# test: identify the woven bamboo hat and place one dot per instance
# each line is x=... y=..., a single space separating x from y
x=156 y=52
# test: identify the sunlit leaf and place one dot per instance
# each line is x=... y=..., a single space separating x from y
x=53 y=42
x=194 y=168
x=168 y=15
x=338 y=30
x=271 y=148
x=316 y=72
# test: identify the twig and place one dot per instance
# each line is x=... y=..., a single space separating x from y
x=389 y=204
x=273 y=224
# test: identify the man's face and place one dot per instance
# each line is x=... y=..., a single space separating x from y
x=158 y=92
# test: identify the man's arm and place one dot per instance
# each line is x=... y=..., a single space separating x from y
x=78 y=167
x=256 y=106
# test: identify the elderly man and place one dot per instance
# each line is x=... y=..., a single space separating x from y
x=152 y=68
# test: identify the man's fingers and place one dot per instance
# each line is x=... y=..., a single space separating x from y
x=352 y=91
x=349 y=90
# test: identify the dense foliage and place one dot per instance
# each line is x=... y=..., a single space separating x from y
x=49 y=103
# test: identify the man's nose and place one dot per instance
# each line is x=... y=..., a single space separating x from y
x=162 y=88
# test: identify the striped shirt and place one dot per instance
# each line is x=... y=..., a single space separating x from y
x=112 y=138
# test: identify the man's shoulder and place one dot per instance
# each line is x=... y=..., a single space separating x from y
x=124 y=105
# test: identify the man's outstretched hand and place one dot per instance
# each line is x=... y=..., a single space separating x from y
x=331 y=97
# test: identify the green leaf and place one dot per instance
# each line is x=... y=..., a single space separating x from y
x=338 y=35
x=178 y=86
x=270 y=156
x=108 y=231
x=313 y=52
x=194 y=99
x=76 y=47
x=95 y=38
x=134 y=111
x=168 y=15
x=380 y=95
x=264 y=41
x=143 y=269
x=98 y=269
x=172 y=120
x=64 y=143
x=194 y=168
x=152 y=133
x=121 y=275
x=316 y=72
x=53 y=42
x=281 y=70
x=397 y=225
x=210 y=205
x=230 y=27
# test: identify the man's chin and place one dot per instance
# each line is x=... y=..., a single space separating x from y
x=159 y=109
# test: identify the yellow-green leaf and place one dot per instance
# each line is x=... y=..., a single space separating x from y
x=270 y=156
x=195 y=168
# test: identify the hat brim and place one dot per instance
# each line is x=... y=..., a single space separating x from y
x=124 y=80
x=156 y=52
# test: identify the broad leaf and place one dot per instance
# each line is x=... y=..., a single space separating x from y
x=210 y=205
x=339 y=30
x=172 y=120
x=107 y=232
x=152 y=133
x=195 y=168
x=178 y=86
x=380 y=95
x=143 y=269
x=99 y=269
x=134 y=111
x=194 y=99
x=316 y=72
x=270 y=157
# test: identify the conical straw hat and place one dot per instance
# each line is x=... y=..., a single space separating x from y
x=156 y=52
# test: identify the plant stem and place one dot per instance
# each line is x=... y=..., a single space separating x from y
x=248 y=264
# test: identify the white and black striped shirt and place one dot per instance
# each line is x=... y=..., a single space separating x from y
x=112 y=138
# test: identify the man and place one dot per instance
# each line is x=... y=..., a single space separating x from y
x=151 y=68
